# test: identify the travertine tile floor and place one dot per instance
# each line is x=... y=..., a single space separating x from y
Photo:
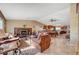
x=60 y=46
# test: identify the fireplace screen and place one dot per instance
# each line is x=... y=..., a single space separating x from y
x=24 y=33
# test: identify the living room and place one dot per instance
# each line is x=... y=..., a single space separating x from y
x=38 y=28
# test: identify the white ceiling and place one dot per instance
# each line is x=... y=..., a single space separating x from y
x=29 y=11
x=62 y=18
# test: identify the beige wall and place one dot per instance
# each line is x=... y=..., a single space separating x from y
x=74 y=25
x=19 y=23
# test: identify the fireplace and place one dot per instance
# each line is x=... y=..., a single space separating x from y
x=22 y=32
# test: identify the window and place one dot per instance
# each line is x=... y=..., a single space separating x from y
x=58 y=28
x=1 y=23
x=52 y=28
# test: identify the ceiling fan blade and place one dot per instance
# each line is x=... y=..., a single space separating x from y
x=53 y=20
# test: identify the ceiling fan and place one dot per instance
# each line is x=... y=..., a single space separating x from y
x=52 y=20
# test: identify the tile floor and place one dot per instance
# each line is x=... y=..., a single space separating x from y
x=60 y=46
